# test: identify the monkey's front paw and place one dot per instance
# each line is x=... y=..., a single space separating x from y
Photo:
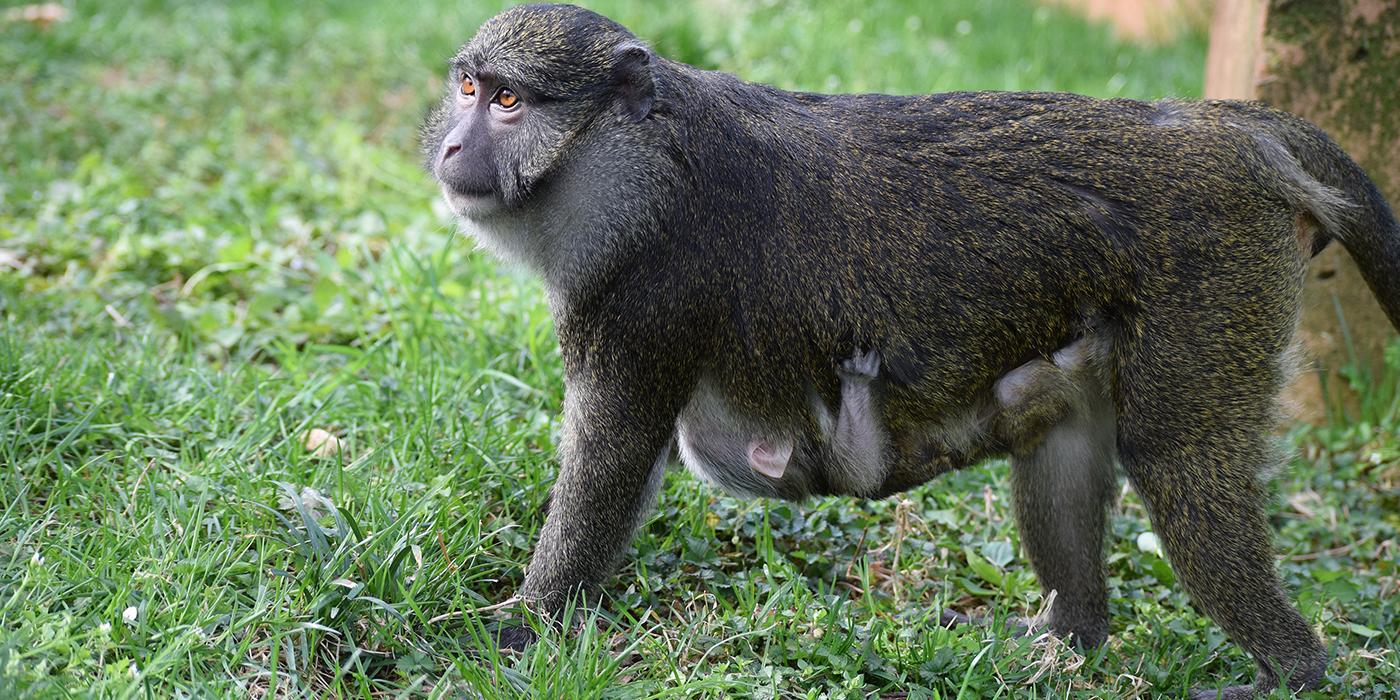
x=952 y=618
x=860 y=366
x=514 y=638
x=1234 y=692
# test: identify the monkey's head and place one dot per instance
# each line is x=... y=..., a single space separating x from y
x=520 y=92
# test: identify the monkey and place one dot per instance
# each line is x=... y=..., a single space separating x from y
x=707 y=244
x=1063 y=481
x=858 y=439
x=848 y=453
x=831 y=455
x=1040 y=395
x=844 y=454
x=856 y=436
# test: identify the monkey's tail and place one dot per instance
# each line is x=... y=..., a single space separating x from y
x=1319 y=177
x=1375 y=246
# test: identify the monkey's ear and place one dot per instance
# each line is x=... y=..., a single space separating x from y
x=632 y=79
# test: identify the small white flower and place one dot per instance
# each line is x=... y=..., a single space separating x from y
x=36 y=559
x=315 y=503
x=129 y=615
x=105 y=628
x=1148 y=542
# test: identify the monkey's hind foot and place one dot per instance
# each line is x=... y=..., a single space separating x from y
x=862 y=366
x=1307 y=678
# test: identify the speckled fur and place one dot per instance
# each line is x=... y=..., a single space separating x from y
x=694 y=229
x=848 y=454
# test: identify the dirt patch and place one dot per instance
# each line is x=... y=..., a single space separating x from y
x=1368 y=11
x=1144 y=20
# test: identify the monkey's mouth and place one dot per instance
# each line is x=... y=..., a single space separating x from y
x=465 y=182
x=470 y=202
x=471 y=188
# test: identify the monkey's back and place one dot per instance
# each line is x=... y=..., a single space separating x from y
x=977 y=230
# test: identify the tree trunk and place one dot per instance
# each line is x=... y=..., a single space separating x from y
x=1337 y=64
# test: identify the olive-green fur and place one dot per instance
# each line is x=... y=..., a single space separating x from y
x=742 y=237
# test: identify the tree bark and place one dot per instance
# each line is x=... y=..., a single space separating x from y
x=1236 y=49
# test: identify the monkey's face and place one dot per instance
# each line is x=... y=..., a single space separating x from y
x=484 y=117
x=519 y=93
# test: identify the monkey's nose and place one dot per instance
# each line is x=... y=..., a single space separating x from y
x=450 y=150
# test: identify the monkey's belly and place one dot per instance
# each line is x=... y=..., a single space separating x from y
x=717 y=456
x=713 y=438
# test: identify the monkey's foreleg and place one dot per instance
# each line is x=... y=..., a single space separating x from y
x=613 y=451
x=1057 y=420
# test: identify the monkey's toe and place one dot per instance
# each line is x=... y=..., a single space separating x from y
x=952 y=618
x=1234 y=692
x=514 y=638
x=861 y=365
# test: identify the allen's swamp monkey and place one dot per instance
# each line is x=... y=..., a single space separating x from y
x=709 y=245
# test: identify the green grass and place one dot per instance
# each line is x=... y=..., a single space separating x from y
x=214 y=236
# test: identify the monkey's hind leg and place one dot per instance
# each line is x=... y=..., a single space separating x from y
x=1195 y=411
x=1062 y=488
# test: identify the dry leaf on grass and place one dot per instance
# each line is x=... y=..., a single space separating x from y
x=321 y=443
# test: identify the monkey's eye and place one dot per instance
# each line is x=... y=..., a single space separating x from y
x=507 y=98
x=468 y=87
